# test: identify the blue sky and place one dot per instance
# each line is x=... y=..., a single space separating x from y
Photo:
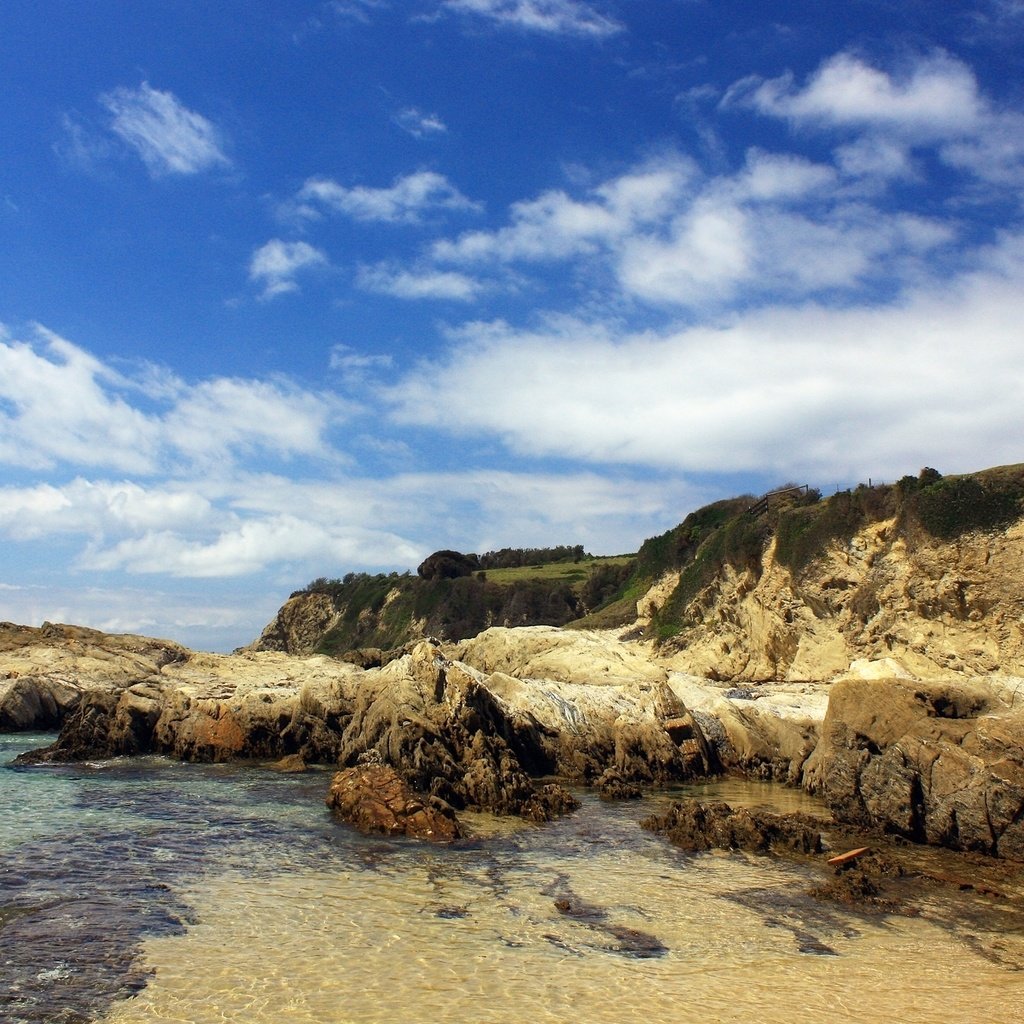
x=292 y=289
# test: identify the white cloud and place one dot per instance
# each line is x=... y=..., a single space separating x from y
x=170 y=138
x=357 y=10
x=348 y=360
x=224 y=414
x=54 y=408
x=805 y=390
x=554 y=17
x=275 y=265
x=419 y=124
x=936 y=96
x=780 y=226
x=248 y=548
x=97 y=507
x=404 y=202
x=418 y=284
x=933 y=100
x=61 y=405
x=555 y=226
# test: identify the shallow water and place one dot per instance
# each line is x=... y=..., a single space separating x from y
x=149 y=891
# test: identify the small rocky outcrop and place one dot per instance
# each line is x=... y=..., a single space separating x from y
x=941 y=763
x=696 y=825
x=374 y=798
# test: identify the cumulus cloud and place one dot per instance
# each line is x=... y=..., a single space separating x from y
x=170 y=138
x=60 y=405
x=552 y=17
x=931 y=100
x=404 y=202
x=780 y=226
x=934 y=97
x=91 y=507
x=275 y=265
x=555 y=225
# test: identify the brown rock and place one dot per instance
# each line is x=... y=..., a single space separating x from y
x=292 y=764
x=695 y=825
x=941 y=763
x=376 y=799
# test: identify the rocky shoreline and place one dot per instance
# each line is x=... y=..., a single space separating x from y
x=485 y=724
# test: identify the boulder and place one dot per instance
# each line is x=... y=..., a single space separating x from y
x=941 y=763
x=375 y=799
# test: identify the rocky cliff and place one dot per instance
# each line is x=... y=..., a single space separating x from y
x=923 y=607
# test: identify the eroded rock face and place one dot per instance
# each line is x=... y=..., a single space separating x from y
x=299 y=625
x=941 y=763
x=47 y=671
x=374 y=798
x=933 y=607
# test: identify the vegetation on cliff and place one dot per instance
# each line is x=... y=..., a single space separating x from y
x=736 y=532
x=455 y=595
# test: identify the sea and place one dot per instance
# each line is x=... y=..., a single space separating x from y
x=136 y=891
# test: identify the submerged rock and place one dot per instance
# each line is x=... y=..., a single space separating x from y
x=696 y=825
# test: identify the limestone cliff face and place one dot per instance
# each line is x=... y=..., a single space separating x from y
x=924 y=607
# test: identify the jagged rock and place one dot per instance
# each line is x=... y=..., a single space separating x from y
x=765 y=731
x=941 y=763
x=45 y=672
x=548 y=802
x=611 y=785
x=299 y=625
x=932 y=607
x=694 y=825
x=375 y=798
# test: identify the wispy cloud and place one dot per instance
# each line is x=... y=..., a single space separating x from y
x=418 y=124
x=356 y=10
x=170 y=138
x=275 y=265
x=404 y=202
x=418 y=284
x=836 y=393
x=551 y=17
x=58 y=406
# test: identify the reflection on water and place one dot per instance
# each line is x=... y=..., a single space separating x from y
x=210 y=895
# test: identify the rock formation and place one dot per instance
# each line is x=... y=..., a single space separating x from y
x=375 y=798
x=933 y=607
x=941 y=763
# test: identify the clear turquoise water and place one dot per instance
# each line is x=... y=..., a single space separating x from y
x=141 y=891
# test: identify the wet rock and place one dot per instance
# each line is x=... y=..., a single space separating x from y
x=696 y=825
x=612 y=786
x=292 y=764
x=549 y=802
x=374 y=798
